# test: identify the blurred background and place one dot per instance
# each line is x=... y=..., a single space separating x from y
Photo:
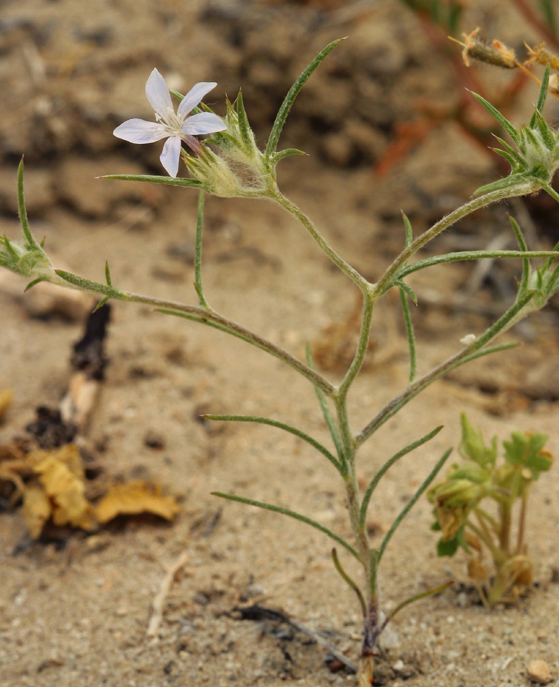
x=70 y=72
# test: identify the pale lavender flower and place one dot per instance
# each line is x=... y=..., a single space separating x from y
x=174 y=126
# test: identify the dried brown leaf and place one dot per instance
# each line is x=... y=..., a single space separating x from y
x=134 y=498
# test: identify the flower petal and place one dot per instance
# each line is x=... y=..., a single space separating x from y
x=140 y=131
x=193 y=97
x=170 y=155
x=158 y=94
x=203 y=123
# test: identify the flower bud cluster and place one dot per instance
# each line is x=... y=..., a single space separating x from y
x=237 y=168
x=28 y=260
x=534 y=155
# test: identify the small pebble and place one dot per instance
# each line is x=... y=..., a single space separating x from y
x=539 y=672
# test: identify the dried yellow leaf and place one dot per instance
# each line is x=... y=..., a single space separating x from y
x=68 y=454
x=37 y=509
x=66 y=489
x=135 y=498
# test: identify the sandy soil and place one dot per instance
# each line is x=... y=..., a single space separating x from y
x=74 y=611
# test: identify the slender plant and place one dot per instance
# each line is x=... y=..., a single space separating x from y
x=230 y=165
x=465 y=521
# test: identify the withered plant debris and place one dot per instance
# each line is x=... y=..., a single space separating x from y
x=134 y=498
x=260 y=613
x=52 y=485
x=49 y=429
x=89 y=352
x=45 y=471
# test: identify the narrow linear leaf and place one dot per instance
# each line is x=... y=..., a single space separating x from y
x=244 y=126
x=292 y=94
x=477 y=350
x=349 y=581
x=328 y=418
x=406 y=288
x=154 y=179
x=545 y=131
x=542 y=95
x=108 y=274
x=101 y=303
x=384 y=469
x=476 y=255
x=409 y=332
x=209 y=323
x=291 y=514
x=286 y=153
x=518 y=233
x=503 y=121
x=508 y=157
x=510 y=150
x=201 y=319
x=548 y=11
x=411 y=503
x=398 y=403
x=33 y=283
x=408 y=228
x=198 y=252
x=22 y=209
x=416 y=597
x=280 y=425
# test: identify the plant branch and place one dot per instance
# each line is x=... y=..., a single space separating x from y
x=393 y=272
x=471 y=352
x=326 y=248
x=205 y=317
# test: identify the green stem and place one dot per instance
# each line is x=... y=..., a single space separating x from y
x=205 y=317
x=466 y=354
x=326 y=248
x=361 y=351
x=521 y=523
x=393 y=272
x=506 y=522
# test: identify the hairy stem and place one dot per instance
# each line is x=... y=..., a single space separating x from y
x=205 y=316
x=387 y=279
x=326 y=248
x=454 y=361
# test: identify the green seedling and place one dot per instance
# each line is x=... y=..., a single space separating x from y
x=466 y=522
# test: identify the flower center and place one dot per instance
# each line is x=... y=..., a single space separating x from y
x=173 y=123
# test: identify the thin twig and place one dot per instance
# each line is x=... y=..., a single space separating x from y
x=159 y=599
